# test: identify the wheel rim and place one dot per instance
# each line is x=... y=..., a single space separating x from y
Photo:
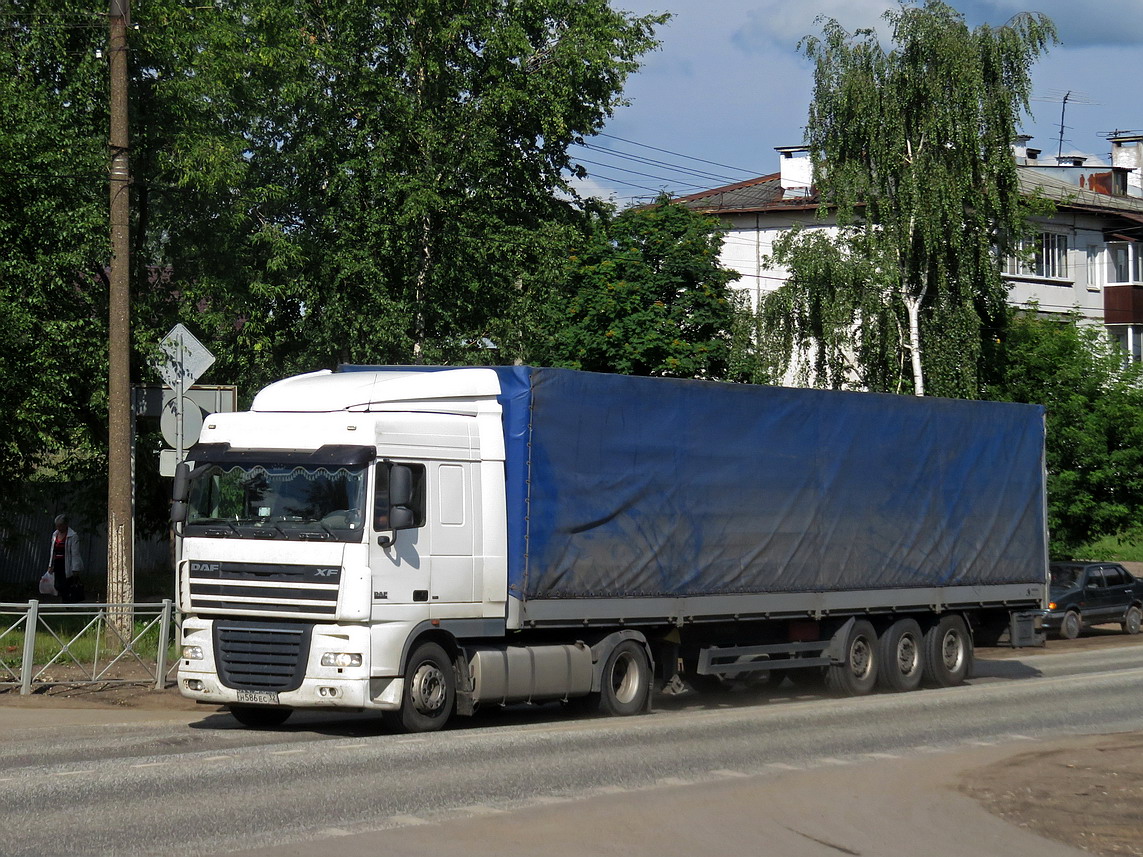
x=907 y=655
x=860 y=658
x=428 y=692
x=1133 y=620
x=1071 y=625
x=952 y=651
x=625 y=678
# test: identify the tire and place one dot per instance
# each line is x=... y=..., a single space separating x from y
x=257 y=717
x=625 y=683
x=1132 y=619
x=856 y=675
x=902 y=656
x=1070 y=625
x=947 y=652
x=429 y=697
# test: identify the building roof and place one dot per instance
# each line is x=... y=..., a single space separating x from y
x=761 y=194
x=765 y=194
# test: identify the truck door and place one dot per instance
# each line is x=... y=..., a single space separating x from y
x=451 y=527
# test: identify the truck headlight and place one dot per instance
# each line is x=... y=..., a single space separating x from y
x=341 y=659
x=192 y=653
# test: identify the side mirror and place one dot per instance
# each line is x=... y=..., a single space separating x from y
x=178 y=512
x=181 y=486
x=401 y=487
x=179 y=491
x=395 y=509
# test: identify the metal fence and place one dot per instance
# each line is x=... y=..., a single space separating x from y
x=83 y=644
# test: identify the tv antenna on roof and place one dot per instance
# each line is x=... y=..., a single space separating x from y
x=1070 y=96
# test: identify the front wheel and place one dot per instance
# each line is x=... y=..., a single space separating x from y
x=625 y=681
x=429 y=696
x=1132 y=619
x=1070 y=625
x=948 y=652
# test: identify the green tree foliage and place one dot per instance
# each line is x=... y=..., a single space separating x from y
x=911 y=152
x=53 y=239
x=1094 y=404
x=382 y=178
x=646 y=295
x=313 y=183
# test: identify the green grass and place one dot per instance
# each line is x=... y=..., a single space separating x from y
x=88 y=645
x=1125 y=547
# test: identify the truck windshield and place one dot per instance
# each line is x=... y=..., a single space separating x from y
x=304 y=502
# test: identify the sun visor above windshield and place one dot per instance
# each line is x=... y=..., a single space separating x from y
x=335 y=455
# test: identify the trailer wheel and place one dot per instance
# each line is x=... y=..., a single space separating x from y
x=902 y=656
x=948 y=652
x=625 y=680
x=856 y=675
x=429 y=697
x=257 y=717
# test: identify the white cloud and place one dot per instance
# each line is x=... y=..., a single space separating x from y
x=1113 y=22
x=782 y=23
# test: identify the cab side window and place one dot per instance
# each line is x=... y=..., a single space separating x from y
x=399 y=496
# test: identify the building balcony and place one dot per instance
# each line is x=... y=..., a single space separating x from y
x=1123 y=304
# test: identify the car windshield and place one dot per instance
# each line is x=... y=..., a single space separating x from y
x=1065 y=576
x=308 y=502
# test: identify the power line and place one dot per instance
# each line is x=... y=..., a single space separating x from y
x=678 y=154
x=664 y=179
x=657 y=163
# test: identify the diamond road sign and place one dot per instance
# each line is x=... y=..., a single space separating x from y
x=183 y=359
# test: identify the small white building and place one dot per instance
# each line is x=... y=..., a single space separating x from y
x=1088 y=256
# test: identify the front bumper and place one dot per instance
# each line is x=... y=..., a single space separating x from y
x=314 y=685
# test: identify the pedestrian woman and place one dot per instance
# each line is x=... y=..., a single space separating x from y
x=66 y=563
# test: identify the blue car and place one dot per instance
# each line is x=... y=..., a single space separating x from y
x=1092 y=593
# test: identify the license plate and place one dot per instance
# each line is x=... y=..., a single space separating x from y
x=258 y=697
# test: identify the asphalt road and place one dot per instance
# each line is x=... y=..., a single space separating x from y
x=808 y=774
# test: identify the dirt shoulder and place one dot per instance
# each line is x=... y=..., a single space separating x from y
x=1087 y=793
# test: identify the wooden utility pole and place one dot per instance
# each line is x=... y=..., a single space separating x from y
x=120 y=530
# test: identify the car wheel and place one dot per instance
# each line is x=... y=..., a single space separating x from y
x=1132 y=619
x=1070 y=625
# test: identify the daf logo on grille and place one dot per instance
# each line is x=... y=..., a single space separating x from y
x=326 y=572
x=206 y=566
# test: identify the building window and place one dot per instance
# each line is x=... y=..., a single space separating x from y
x=1094 y=280
x=1043 y=255
x=1124 y=262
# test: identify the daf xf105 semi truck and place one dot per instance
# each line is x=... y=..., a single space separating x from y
x=427 y=541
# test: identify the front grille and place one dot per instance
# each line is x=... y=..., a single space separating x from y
x=261 y=655
x=263 y=588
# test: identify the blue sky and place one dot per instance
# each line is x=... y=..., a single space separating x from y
x=728 y=85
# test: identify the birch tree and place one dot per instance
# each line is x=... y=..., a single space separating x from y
x=911 y=149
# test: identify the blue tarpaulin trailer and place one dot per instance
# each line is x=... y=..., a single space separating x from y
x=622 y=486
